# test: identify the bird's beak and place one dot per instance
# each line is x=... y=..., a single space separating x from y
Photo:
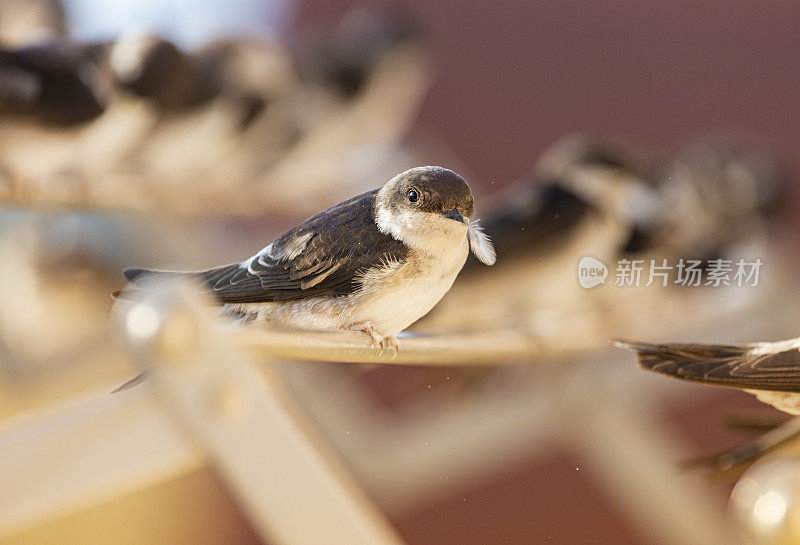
x=453 y=214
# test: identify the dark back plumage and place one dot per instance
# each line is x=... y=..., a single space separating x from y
x=322 y=257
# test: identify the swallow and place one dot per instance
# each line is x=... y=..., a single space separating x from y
x=345 y=59
x=374 y=263
x=52 y=81
x=584 y=195
x=575 y=180
x=717 y=192
x=155 y=68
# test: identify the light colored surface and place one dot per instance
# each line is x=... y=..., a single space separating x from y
x=83 y=451
x=284 y=477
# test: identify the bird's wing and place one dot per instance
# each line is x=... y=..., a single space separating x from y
x=322 y=257
x=761 y=366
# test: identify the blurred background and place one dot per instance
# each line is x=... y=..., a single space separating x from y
x=186 y=134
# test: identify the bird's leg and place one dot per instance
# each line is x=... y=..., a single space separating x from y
x=392 y=341
x=377 y=340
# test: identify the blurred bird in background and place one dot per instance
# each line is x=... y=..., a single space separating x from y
x=604 y=199
x=151 y=116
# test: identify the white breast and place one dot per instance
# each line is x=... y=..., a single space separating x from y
x=403 y=295
x=788 y=402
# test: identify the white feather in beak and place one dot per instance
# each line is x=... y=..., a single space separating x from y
x=480 y=244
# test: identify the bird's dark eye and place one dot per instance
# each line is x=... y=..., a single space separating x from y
x=413 y=196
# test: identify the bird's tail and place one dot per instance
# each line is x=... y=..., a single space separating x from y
x=135 y=381
x=137 y=277
x=760 y=366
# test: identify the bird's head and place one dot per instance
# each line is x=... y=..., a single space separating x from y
x=429 y=208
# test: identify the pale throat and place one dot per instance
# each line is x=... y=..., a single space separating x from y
x=424 y=231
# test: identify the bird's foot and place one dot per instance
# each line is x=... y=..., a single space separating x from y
x=377 y=339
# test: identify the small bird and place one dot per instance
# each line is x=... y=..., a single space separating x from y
x=344 y=59
x=374 y=263
x=52 y=81
x=586 y=196
x=717 y=194
x=155 y=68
x=576 y=177
x=769 y=370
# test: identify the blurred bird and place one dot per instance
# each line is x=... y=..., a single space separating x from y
x=585 y=197
x=344 y=59
x=375 y=263
x=576 y=178
x=51 y=81
x=712 y=195
x=597 y=198
x=155 y=68
x=717 y=193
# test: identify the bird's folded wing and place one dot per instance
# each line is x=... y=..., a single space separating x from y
x=761 y=366
x=324 y=256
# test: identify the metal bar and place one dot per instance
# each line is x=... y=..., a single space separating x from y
x=486 y=348
x=293 y=489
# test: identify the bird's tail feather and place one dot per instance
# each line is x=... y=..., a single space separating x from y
x=137 y=277
x=760 y=366
x=135 y=381
x=670 y=356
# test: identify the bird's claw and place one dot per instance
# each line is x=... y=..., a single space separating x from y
x=378 y=341
x=391 y=341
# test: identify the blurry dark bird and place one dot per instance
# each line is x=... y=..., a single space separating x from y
x=249 y=73
x=576 y=178
x=243 y=72
x=374 y=263
x=586 y=197
x=698 y=205
x=345 y=59
x=716 y=193
x=52 y=82
x=157 y=69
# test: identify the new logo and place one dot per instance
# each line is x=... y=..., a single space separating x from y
x=591 y=272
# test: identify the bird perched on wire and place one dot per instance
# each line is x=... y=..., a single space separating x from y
x=155 y=68
x=374 y=263
x=585 y=197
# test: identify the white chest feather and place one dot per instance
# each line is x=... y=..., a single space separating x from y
x=396 y=298
x=787 y=402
